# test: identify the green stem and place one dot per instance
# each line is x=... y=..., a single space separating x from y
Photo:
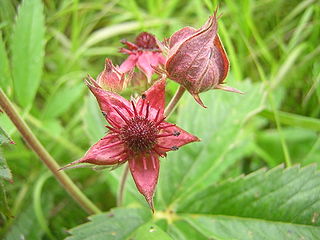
x=122 y=185
x=175 y=99
x=45 y=157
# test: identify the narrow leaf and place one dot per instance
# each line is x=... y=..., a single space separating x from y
x=5 y=78
x=28 y=50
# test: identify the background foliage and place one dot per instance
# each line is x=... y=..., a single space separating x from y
x=48 y=47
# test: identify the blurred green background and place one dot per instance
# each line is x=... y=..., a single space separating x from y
x=47 y=50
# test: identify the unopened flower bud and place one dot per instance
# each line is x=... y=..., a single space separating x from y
x=111 y=78
x=197 y=60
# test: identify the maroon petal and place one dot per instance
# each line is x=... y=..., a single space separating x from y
x=155 y=98
x=145 y=63
x=181 y=35
x=178 y=138
x=116 y=108
x=148 y=61
x=129 y=63
x=108 y=151
x=145 y=172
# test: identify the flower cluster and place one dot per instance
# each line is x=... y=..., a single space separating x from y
x=138 y=133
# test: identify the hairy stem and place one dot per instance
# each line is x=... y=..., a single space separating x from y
x=45 y=157
x=175 y=99
x=122 y=185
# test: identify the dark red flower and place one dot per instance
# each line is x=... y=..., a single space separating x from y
x=144 y=53
x=138 y=133
x=197 y=60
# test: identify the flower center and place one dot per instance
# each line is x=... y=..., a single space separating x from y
x=139 y=134
x=146 y=41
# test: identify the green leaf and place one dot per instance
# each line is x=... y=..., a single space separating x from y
x=117 y=224
x=289 y=195
x=5 y=78
x=221 y=128
x=4 y=207
x=150 y=231
x=61 y=101
x=4 y=137
x=5 y=172
x=28 y=51
x=93 y=120
x=235 y=228
x=25 y=226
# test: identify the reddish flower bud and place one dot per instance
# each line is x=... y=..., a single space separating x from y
x=112 y=79
x=197 y=60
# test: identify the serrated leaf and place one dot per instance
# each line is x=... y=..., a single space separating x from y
x=220 y=127
x=5 y=172
x=117 y=224
x=5 y=78
x=288 y=195
x=235 y=228
x=4 y=137
x=27 y=49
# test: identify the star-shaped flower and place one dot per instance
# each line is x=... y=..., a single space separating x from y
x=144 y=53
x=138 y=133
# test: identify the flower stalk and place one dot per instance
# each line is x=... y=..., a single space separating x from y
x=174 y=100
x=45 y=157
x=122 y=185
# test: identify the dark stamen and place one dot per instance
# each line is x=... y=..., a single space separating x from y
x=141 y=109
x=156 y=118
x=128 y=111
x=111 y=145
x=118 y=154
x=176 y=133
x=113 y=123
x=147 y=111
x=160 y=121
x=174 y=148
x=121 y=115
x=112 y=129
x=134 y=108
x=159 y=153
x=166 y=126
x=164 y=147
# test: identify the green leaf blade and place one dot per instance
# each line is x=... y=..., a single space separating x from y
x=5 y=77
x=220 y=127
x=288 y=195
x=226 y=228
x=117 y=224
x=28 y=51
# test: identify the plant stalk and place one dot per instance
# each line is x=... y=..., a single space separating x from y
x=122 y=185
x=175 y=99
x=45 y=157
